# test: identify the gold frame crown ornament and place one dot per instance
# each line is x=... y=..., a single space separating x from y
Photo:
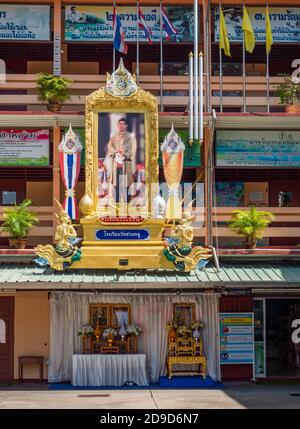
x=121 y=83
x=70 y=142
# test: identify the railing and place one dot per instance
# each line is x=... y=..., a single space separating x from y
x=175 y=91
x=280 y=227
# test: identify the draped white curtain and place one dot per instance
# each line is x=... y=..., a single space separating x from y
x=70 y=310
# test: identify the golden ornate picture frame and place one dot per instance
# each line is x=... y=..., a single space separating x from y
x=102 y=101
x=184 y=313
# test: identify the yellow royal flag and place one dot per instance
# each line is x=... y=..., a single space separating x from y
x=248 y=31
x=224 y=41
x=269 y=35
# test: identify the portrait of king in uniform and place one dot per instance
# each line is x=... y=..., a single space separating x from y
x=121 y=147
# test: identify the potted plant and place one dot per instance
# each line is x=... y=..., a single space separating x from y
x=289 y=93
x=53 y=89
x=17 y=222
x=251 y=224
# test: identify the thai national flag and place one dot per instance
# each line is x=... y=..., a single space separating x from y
x=144 y=26
x=119 y=34
x=168 y=27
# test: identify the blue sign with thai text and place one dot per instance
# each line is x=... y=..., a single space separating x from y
x=122 y=234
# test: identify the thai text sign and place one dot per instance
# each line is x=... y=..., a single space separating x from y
x=257 y=148
x=236 y=338
x=24 y=147
x=122 y=234
x=284 y=22
x=95 y=23
x=24 y=22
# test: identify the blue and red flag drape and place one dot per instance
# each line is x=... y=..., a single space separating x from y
x=69 y=156
x=142 y=24
x=119 y=34
x=167 y=25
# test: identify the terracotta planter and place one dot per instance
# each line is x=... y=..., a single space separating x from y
x=54 y=107
x=17 y=243
x=292 y=108
x=250 y=245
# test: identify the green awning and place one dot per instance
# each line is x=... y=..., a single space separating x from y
x=231 y=275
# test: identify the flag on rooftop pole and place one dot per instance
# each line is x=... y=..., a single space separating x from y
x=269 y=35
x=119 y=34
x=167 y=25
x=225 y=45
x=248 y=45
x=223 y=38
x=143 y=25
x=249 y=35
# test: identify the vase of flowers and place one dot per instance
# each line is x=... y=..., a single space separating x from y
x=172 y=334
x=86 y=331
x=184 y=331
x=134 y=330
x=196 y=325
x=110 y=334
x=122 y=332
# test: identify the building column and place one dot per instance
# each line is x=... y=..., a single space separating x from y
x=57 y=38
x=56 y=172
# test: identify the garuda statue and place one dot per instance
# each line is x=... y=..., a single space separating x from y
x=179 y=246
x=65 y=251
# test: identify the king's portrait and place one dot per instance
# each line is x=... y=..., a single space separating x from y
x=120 y=150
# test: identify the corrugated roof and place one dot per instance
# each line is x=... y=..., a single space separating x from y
x=231 y=275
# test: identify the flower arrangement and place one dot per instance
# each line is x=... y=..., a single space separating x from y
x=171 y=325
x=134 y=330
x=196 y=324
x=111 y=331
x=183 y=330
x=86 y=330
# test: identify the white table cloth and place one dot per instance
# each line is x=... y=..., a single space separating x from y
x=108 y=370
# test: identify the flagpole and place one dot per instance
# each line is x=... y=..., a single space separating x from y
x=268 y=72
x=244 y=71
x=137 y=44
x=114 y=51
x=201 y=96
x=196 y=104
x=268 y=85
x=161 y=61
x=220 y=64
x=191 y=101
